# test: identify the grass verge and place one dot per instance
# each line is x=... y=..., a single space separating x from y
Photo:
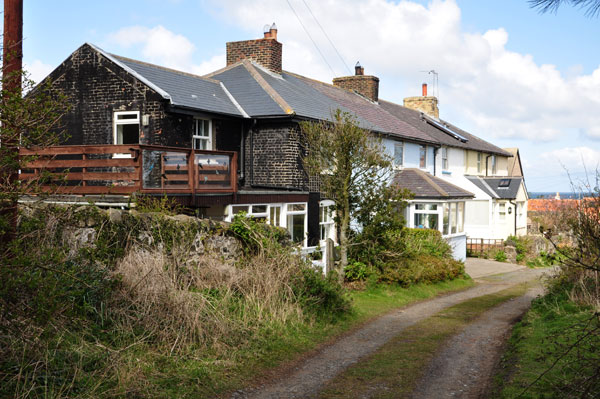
x=395 y=368
x=542 y=360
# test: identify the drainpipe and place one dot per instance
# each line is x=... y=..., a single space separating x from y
x=515 y=210
x=486 y=165
x=435 y=149
x=242 y=152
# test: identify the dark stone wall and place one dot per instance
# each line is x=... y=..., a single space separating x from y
x=96 y=88
x=273 y=156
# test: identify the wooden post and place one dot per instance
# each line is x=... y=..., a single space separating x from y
x=12 y=68
x=329 y=260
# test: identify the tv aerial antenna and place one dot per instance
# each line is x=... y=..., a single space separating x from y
x=435 y=83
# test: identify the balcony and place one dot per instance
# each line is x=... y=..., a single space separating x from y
x=125 y=169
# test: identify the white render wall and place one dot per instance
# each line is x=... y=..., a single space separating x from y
x=411 y=154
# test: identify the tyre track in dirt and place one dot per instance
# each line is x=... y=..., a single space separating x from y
x=307 y=379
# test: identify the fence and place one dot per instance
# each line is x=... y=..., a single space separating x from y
x=477 y=246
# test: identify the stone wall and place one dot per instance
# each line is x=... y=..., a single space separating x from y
x=274 y=156
x=96 y=87
x=208 y=236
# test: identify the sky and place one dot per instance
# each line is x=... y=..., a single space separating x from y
x=507 y=73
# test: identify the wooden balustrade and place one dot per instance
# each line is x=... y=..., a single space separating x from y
x=125 y=169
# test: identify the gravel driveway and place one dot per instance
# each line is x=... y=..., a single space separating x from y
x=309 y=377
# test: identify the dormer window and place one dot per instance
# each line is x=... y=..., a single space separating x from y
x=126 y=127
x=202 y=134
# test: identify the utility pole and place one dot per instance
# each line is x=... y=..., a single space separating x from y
x=12 y=70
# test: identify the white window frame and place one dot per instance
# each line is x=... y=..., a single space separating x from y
x=283 y=214
x=479 y=163
x=494 y=165
x=207 y=138
x=398 y=144
x=424 y=149
x=444 y=158
x=329 y=223
x=441 y=206
x=117 y=122
x=502 y=211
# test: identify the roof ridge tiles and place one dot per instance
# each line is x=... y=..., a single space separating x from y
x=267 y=88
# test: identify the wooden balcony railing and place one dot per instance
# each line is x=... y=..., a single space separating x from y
x=124 y=169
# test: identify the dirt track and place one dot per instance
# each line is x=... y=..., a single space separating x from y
x=477 y=347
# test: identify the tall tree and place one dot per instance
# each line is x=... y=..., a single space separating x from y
x=592 y=6
x=352 y=167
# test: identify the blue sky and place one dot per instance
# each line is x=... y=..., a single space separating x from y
x=508 y=74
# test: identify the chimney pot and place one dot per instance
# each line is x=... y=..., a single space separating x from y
x=266 y=51
x=358 y=69
x=424 y=89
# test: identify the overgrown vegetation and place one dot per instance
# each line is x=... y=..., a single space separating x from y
x=143 y=312
x=555 y=350
x=403 y=256
x=353 y=170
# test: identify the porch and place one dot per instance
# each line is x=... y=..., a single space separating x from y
x=125 y=169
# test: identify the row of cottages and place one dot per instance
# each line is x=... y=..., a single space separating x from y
x=229 y=142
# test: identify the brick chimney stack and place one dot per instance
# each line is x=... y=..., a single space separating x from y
x=365 y=85
x=266 y=51
x=425 y=104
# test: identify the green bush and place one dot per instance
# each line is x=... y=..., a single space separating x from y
x=357 y=271
x=423 y=268
x=319 y=294
x=500 y=256
x=522 y=245
x=425 y=241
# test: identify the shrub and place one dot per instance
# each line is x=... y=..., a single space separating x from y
x=500 y=256
x=357 y=271
x=422 y=269
x=427 y=241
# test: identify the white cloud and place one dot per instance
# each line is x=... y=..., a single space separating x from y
x=574 y=159
x=506 y=94
x=37 y=70
x=158 y=45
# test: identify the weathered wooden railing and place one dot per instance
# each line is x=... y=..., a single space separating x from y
x=124 y=169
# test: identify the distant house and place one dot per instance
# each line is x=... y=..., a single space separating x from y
x=230 y=142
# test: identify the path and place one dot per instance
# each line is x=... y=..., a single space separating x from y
x=309 y=377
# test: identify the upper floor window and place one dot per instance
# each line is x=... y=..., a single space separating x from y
x=423 y=157
x=126 y=127
x=398 y=154
x=494 y=169
x=444 y=158
x=479 y=163
x=201 y=135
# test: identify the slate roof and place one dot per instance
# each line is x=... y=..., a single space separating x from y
x=491 y=186
x=186 y=90
x=246 y=89
x=414 y=118
x=426 y=186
